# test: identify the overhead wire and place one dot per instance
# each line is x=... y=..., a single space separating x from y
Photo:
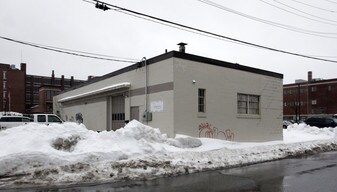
x=312 y=6
x=73 y=52
x=324 y=56
x=334 y=21
x=330 y=1
x=214 y=34
x=291 y=12
x=177 y=27
x=283 y=26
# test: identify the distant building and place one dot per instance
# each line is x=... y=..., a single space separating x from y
x=12 y=89
x=311 y=97
x=25 y=93
x=181 y=93
x=40 y=91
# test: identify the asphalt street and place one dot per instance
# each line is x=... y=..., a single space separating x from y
x=310 y=174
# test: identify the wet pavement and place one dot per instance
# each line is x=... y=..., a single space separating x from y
x=310 y=174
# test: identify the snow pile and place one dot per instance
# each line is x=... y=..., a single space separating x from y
x=302 y=132
x=70 y=153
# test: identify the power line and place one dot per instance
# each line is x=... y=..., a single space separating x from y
x=72 y=52
x=304 y=12
x=330 y=1
x=283 y=26
x=176 y=27
x=297 y=13
x=312 y=6
x=216 y=35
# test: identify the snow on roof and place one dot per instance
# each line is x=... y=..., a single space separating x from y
x=97 y=91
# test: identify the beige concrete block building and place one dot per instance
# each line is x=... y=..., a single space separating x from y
x=182 y=93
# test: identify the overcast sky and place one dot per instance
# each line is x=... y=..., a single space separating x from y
x=78 y=25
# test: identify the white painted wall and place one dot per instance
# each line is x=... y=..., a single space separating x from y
x=222 y=85
x=158 y=73
x=179 y=113
x=93 y=112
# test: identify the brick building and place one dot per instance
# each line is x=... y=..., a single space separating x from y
x=25 y=93
x=12 y=88
x=311 y=97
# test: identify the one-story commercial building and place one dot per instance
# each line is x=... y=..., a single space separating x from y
x=181 y=93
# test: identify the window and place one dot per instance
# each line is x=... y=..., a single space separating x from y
x=49 y=95
x=118 y=116
x=248 y=104
x=313 y=89
x=4 y=84
x=67 y=83
x=4 y=75
x=58 y=82
x=41 y=118
x=53 y=119
x=15 y=119
x=201 y=100
x=313 y=102
x=46 y=81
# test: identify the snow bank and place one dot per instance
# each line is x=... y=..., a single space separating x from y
x=302 y=132
x=70 y=153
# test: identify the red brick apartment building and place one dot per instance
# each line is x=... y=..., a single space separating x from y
x=307 y=98
x=25 y=93
x=12 y=88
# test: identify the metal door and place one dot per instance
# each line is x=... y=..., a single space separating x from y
x=117 y=112
x=135 y=113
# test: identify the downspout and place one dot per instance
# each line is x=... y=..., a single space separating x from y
x=145 y=103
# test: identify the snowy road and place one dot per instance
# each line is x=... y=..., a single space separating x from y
x=310 y=174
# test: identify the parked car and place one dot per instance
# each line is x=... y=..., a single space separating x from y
x=321 y=122
x=46 y=118
x=13 y=121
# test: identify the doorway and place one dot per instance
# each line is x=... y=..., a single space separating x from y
x=117 y=112
x=135 y=113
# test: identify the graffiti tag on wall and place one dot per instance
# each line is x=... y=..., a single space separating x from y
x=209 y=131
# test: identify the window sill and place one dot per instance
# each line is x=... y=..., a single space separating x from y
x=202 y=115
x=248 y=116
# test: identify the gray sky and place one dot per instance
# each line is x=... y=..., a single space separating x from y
x=78 y=25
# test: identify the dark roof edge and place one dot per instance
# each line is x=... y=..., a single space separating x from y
x=311 y=82
x=226 y=64
x=180 y=55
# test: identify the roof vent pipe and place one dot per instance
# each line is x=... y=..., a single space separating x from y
x=182 y=47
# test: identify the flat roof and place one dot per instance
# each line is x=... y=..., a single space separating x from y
x=186 y=56
x=310 y=83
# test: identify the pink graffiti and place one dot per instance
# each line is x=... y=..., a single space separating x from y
x=209 y=131
x=228 y=134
